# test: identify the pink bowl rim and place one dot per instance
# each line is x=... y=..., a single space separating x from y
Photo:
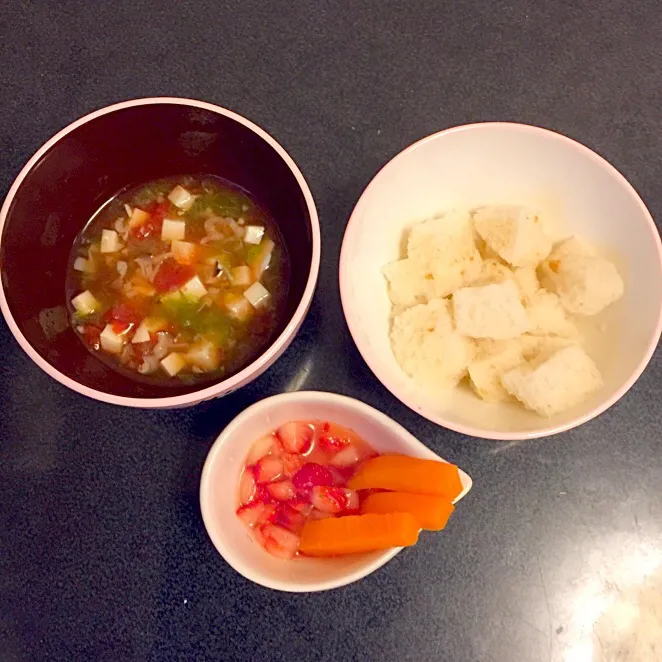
x=441 y=420
x=251 y=371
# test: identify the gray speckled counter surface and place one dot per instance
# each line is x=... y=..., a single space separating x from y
x=103 y=555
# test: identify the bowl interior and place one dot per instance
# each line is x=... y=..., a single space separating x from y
x=220 y=486
x=92 y=163
x=492 y=164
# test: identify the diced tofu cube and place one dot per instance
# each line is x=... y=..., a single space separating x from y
x=547 y=317
x=184 y=251
x=85 y=303
x=112 y=342
x=490 y=311
x=257 y=294
x=173 y=230
x=238 y=306
x=141 y=334
x=585 y=284
x=486 y=370
x=194 y=289
x=205 y=355
x=173 y=363
x=515 y=233
x=427 y=346
x=181 y=198
x=110 y=241
x=242 y=276
x=254 y=234
x=80 y=264
x=554 y=384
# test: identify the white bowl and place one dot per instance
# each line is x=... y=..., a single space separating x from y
x=219 y=488
x=496 y=163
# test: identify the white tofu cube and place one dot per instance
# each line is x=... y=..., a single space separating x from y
x=254 y=234
x=205 y=355
x=239 y=307
x=80 y=264
x=257 y=294
x=110 y=241
x=193 y=289
x=141 y=334
x=491 y=311
x=242 y=276
x=515 y=233
x=181 y=198
x=173 y=363
x=112 y=342
x=556 y=383
x=85 y=303
x=173 y=230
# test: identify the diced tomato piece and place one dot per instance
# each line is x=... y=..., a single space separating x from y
x=123 y=312
x=295 y=436
x=121 y=327
x=91 y=334
x=172 y=275
x=151 y=227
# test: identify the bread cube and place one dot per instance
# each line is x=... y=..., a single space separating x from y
x=427 y=346
x=585 y=284
x=493 y=359
x=445 y=247
x=490 y=311
x=515 y=233
x=410 y=283
x=547 y=317
x=492 y=271
x=535 y=347
x=527 y=281
x=554 y=384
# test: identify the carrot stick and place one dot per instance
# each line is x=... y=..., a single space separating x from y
x=431 y=512
x=402 y=473
x=358 y=533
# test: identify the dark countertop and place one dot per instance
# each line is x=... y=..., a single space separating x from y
x=103 y=555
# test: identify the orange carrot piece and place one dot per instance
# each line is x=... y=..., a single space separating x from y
x=358 y=533
x=402 y=473
x=430 y=511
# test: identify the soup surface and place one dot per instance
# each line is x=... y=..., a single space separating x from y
x=178 y=279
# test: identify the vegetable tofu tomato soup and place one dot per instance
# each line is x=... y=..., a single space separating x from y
x=178 y=279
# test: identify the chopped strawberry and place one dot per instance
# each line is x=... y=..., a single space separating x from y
x=282 y=536
x=283 y=490
x=267 y=445
x=271 y=546
x=292 y=463
x=246 y=486
x=347 y=457
x=334 y=499
x=251 y=514
x=296 y=437
x=312 y=474
x=268 y=469
x=303 y=508
x=288 y=517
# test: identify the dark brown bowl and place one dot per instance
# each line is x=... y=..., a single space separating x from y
x=89 y=162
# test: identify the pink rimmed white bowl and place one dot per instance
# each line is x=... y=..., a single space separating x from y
x=493 y=163
x=219 y=489
x=91 y=160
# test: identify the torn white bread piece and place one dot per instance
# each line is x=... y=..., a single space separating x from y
x=490 y=311
x=554 y=384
